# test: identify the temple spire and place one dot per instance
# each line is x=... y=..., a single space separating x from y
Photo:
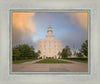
x=49 y=30
x=49 y=35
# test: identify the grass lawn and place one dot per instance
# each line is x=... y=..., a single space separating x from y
x=83 y=60
x=48 y=60
x=22 y=61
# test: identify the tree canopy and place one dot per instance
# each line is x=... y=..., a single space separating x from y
x=24 y=51
x=84 y=48
x=16 y=52
x=66 y=52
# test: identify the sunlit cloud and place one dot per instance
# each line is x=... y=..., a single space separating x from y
x=23 y=26
x=81 y=18
x=69 y=27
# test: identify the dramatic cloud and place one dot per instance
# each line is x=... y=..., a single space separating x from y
x=81 y=18
x=71 y=28
x=23 y=27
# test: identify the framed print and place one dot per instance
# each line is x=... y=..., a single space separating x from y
x=42 y=42
x=30 y=53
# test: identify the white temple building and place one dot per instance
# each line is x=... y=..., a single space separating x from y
x=49 y=47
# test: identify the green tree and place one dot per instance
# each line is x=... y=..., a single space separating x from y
x=79 y=54
x=39 y=52
x=84 y=48
x=66 y=52
x=16 y=53
x=32 y=48
x=36 y=55
x=26 y=51
x=32 y=52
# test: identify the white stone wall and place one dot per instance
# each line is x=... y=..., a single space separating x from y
x=49 y=48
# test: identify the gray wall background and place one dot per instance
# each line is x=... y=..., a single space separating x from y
x=7 y=78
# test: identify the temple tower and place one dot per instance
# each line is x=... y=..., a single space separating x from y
x=49 y=47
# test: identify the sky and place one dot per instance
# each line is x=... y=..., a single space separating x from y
x=69 y=27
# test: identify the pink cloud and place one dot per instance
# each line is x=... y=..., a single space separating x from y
x=81 y=18
x=23 y=26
